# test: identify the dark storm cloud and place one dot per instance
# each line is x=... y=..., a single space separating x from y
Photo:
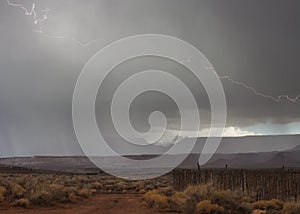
x=255 y=42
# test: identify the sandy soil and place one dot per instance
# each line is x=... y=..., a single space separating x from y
x=102 y=203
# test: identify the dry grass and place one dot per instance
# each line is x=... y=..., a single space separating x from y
x=270 y=205
x=291 y=208
x=23 y=202
x=156 y=200
x=24 y=190
x=83 y=193
x=2 y=193
x=50 y=189
x=259 y=212
x=206 y=207
x=205 y=199
x=177 y=200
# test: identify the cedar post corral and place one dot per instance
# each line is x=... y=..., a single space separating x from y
x=264 y=184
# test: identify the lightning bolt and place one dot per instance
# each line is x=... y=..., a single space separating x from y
x=80 y=43
x=254 y=91
x=32 y=12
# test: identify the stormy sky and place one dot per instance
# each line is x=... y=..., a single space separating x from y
x=253 y=42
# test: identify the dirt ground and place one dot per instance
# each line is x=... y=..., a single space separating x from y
x=101 y=203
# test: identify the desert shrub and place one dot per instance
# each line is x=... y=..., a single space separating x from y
x=97 y=185
x=110 y=182
x=247 y=199
x=156 y=200
x=195 y=194
x=72 y=197
x=142 y=191
x=189 y=201
x=23 y=202
x=138 y=185
x=149 y=187
x=121 y=186
x=42 y=198
x=226 y=199
x=245 y=208
x=109 y=187
x=177 y=200
x=93 y=191
x=268 y=205
x=2 y=193
x=70 y=190
x=206 y=207
x=49 y=189
x=17 y=191
x=167 y=191
x=57 y=193
x=49 y=194
x=259 y=212
x=2 y=190
x=83 y=193
x=291 y=208
x=28 y=182
x=278 y=204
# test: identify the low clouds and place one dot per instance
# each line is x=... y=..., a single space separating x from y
x=229 y=132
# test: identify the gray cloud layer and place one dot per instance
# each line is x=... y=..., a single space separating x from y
x=256 y=42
